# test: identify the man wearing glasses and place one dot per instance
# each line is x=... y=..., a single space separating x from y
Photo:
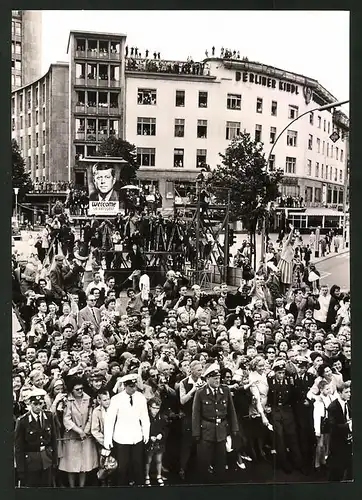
x=104 y=179
x=35 y=443
x=90 y=313
x=213 y=419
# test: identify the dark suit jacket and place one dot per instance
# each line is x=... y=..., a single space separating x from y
x=204 y=414
x=57 y=282
x=28 y=437
x=85 y=314
x=94 y=196
x=340 y=447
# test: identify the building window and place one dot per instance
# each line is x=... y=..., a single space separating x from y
x=233 y=101
x=326 y=172
x=21 y=122
x=290 y=164
x=318 y=145
x=336 y=153
x=13 y=105
x=341 y=154
x=179 y=127
x=36 y=161
x=309 y=167
x=322 y=171
x=18 y=29
x=44 y=94
x=272 y=162
x=318 y=195
x=29 y=141
x=21 y=143
x=200 y=158
x=327 y=149
x=311 y=118
x=37 y=140
x=147 y=97
x=17 y=80
x=29 y=119
x=331 y=150
x=146 y=157
x=29 y=162
x=13 y=124
x=319 y=121
x=341 y=176
x=232 y=130
x=317 y=169
x=292 y=138
x=43 y=137
x=323 y=147
x=324 y=125
x=21 y=103
x=37 y=117
x=37 y=97
x=329 y=127
x=330 y=173
x=43 y=159
x=335 y=175
x=292 y=112
x=202 y=99
x=258 y=129
x=180 y=98
x=273 y=133
x=178 y=158
x=146 y=126
x=259 y=105
x=201 y=129
x=18 y=48
x=308 y=194
x=274 y=108
x=28 y=98
x=310 y=141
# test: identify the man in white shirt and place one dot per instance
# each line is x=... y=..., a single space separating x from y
x=320 y=315
x=144 y=285
x=97 y=283
x=127 y=428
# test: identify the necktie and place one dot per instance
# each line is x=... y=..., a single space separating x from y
x=94 y=314
x=131 y=400
x=345 y=411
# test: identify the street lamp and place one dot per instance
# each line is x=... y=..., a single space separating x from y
x=16 y=191
x=320 y=108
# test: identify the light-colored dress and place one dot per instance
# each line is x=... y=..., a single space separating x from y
x=261 y=383
x=285 y=264
x=78 y=455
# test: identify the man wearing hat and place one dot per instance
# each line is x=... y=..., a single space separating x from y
x=281 y=397
x=35 y=443
x=57 y=279
x=127 y=428
x=303 y=411
x=213 y=419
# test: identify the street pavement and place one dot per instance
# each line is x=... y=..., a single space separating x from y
x=335 y=270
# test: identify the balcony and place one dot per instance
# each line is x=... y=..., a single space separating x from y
x=115 y=83
x=80 y=53
x=80 y=136
x=103 y=110
x=80 y=108
x=91 y=136
x=102 y=82
x=163 y=66
x=80 y=81
x=114 y=111
x=115 y=56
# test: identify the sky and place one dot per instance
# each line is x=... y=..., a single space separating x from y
x=311 y=43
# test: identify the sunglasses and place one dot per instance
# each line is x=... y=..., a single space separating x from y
x=38 y=403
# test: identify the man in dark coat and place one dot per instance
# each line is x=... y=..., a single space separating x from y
x=57 y=279
x=213 y=420
x=35 y=443
x=340 y=425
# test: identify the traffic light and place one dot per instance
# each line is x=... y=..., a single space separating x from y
x=232 y=237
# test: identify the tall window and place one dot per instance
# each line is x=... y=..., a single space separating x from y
x=178 y=158
x=179 y=127
x=292 y=138
x=311 y=118
x=28 y=98
x=201 y=158
x=318 y=145
x=37 y=117
x=21 y=103
x=309 y=167
x=21 y=122
x=29 y=162
x=331 y=150
x=43 y=137
x=319 y=121
x=340 y=175
x=146 y=157
x=310 y=141
x=336 y=153
x=147 y=97
x=329 y=127
x=233 y=101
x=202 y=129
x=12 y=105
x=273 y=133
x=146 y=126
x=327 y=149
x=180 y=98
x=29 y=119
x=232 y=130
x=259 y=105
x=36 y=161
x=317 y=169
x=323 y=147
x=341 y=154
x=274 y=108
x=37 y=96
x=324 y=125
x=202 y=99
x=292 y=112
x=326 y=172
x=322 y=171
x=290 y=164
x=272 y=162
x=258 y=129
x=317 y=195
x=335 y=175
x=37 y=140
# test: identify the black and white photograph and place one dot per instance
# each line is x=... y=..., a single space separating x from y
x=180 y=248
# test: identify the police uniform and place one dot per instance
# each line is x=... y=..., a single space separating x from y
x=213 y=419
x=303 y=413
x=281 y=397
x=35 y=446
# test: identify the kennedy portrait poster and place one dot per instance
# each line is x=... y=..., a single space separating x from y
x=103 y=185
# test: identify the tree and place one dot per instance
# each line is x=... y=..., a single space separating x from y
x=20 y=178
x=118 y=148
x=243 y=173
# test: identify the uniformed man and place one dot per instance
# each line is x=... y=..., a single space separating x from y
x=281 y=397
x=213 y=419
x=35 y=443
x=303 y=412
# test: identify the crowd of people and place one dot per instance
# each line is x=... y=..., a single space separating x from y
x=51 y=187
x=175 y=383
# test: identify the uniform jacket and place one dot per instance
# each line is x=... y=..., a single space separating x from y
x=207 y=408
x=302 y=385
x=28 y=440
x=281 y=393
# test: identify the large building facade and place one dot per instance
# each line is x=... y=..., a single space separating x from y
x=26 y=47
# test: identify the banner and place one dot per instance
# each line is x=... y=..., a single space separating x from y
x=103 y=187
